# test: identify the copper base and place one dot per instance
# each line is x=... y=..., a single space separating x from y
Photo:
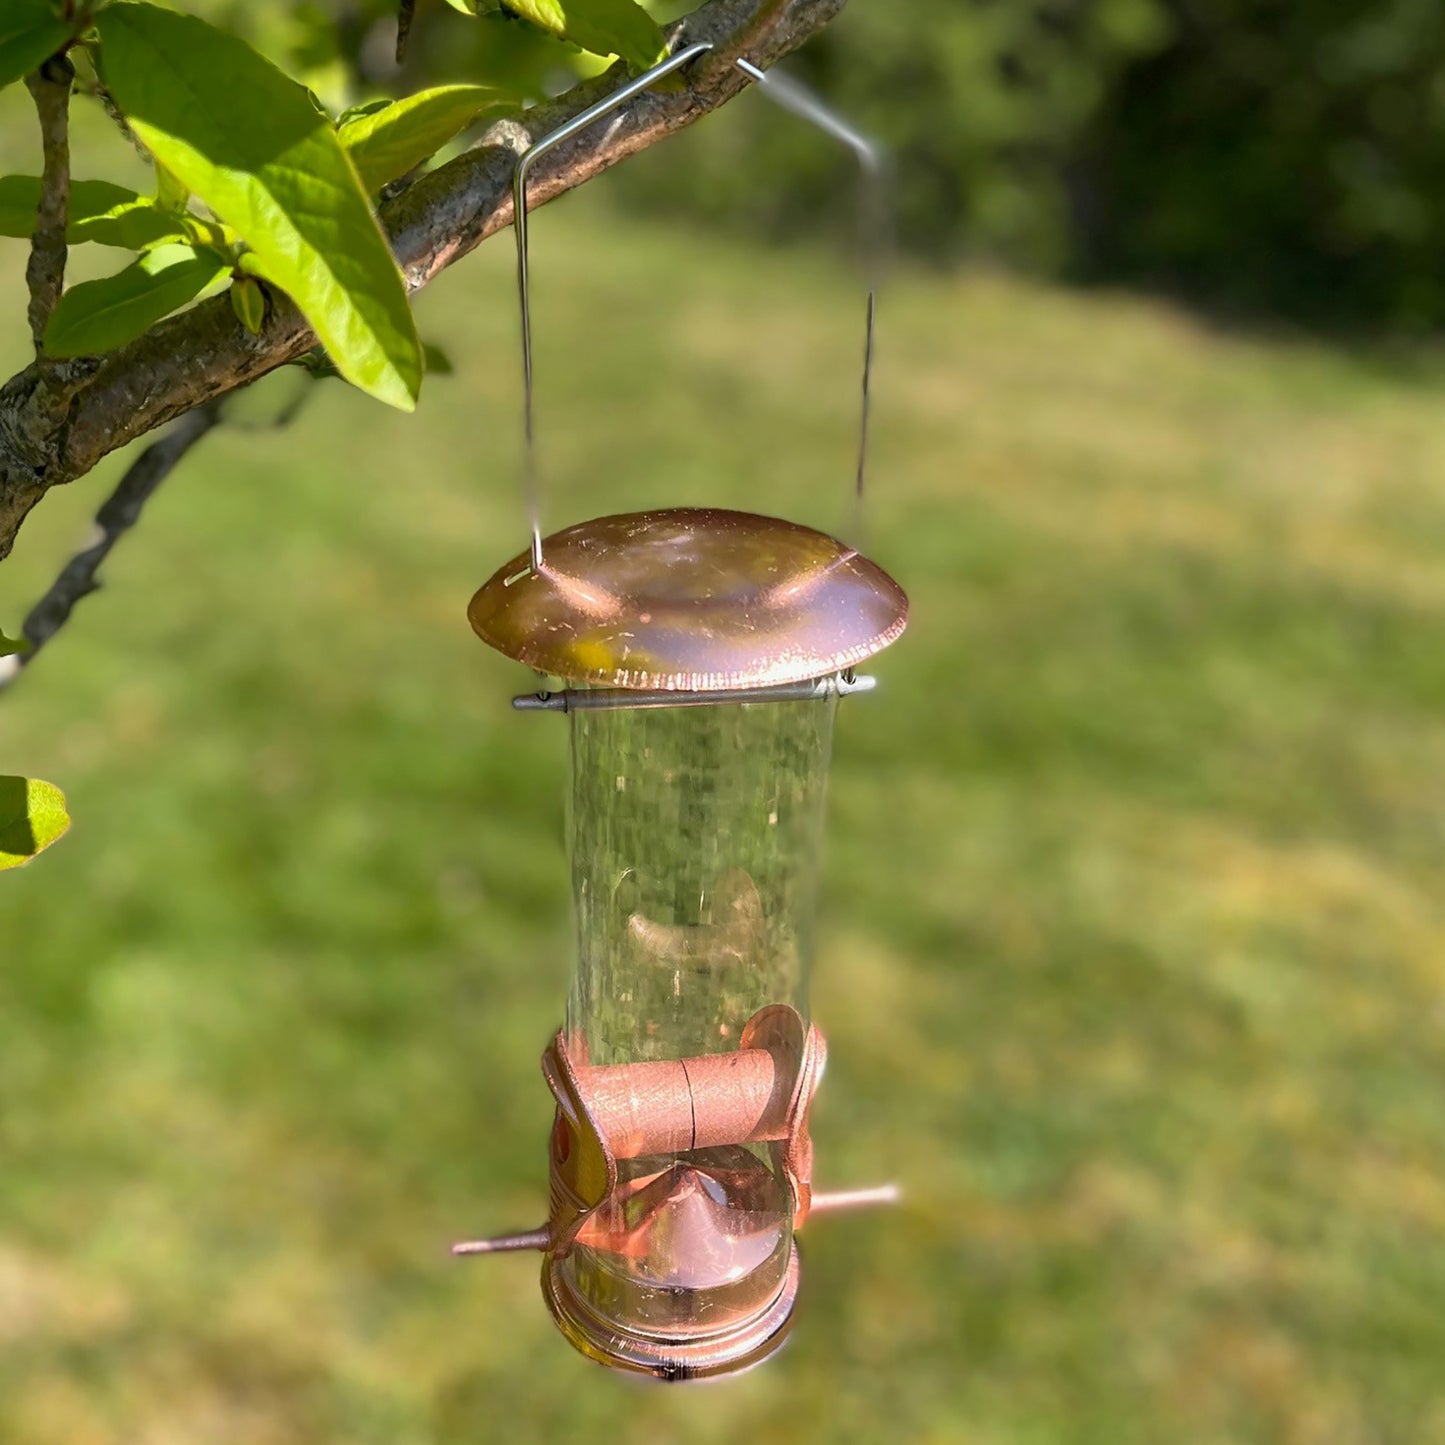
x=738 y=1347
x=662 y=1241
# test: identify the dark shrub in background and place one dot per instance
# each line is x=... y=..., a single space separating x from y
x=1280 y=156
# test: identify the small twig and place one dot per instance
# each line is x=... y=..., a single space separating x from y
x=97 y=92
x=404 y=19
x=117 y=515
x=45 y=272
x=120 y=512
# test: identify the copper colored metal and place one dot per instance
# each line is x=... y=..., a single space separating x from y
x=690 y=599
x=700 y=1222
x=666 y=1108
x=800 y=1053
x=736 y=1346
x=701 y=1117
x=584 y=1168
x=605 y=1113
x=601 y=1202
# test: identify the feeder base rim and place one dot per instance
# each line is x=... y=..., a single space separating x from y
x=729 y=1352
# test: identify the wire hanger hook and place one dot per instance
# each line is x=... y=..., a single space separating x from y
x=530 y=157
x=791 y=96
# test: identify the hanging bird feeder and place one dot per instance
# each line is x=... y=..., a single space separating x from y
x=703 y=653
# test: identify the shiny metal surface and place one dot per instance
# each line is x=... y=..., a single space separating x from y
x=684 y=1266
x=691 y=598
x=671 y=1264
x=598 y=699
x=680 y=1104
x=743 y=1338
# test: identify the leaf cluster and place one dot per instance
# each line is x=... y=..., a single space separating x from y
x=257 y=187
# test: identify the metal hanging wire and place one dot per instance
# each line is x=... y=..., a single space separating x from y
x=788 y=93
x=785 y=92
x=530 y=157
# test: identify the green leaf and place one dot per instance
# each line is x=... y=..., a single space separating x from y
x=248 y=301
x=245 y=139
x=467 y=7
x=171 y=195
x=9 y=646
x=365 y=107
x=20 y=198
x=32 y=817
x=386 y=143
x=605 y=27
x=437 y=360
x=30 y=32
x=318 y=364
x=101 y=315
x=106 y=214
x=132 y=225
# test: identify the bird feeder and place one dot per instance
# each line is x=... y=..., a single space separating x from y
x=702 y=654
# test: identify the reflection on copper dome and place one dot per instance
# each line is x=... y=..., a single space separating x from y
x=691 y=599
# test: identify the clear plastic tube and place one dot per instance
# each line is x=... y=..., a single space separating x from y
x=696 y=841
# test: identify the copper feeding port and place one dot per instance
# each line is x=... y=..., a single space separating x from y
x=675 y=1187
x=697 y=1103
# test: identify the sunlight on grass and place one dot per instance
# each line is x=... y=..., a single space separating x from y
x=1134 y=946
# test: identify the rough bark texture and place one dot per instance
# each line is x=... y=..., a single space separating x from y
x=58 y=421
x=45 y=271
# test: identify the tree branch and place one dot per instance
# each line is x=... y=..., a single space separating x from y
x=117 y=515
x=55 y=427
x=45 y=271
x=406 y=17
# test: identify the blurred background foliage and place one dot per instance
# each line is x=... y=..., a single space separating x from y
x=1265 y=158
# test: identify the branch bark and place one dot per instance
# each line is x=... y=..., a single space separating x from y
x=57 y=422
x=45 y=272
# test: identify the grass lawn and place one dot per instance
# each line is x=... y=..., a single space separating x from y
x=1133 y=962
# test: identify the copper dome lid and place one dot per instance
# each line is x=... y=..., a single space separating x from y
x=690 y=599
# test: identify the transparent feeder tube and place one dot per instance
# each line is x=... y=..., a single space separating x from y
x=696 y=842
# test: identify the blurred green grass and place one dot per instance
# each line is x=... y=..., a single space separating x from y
x=1133 y=946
